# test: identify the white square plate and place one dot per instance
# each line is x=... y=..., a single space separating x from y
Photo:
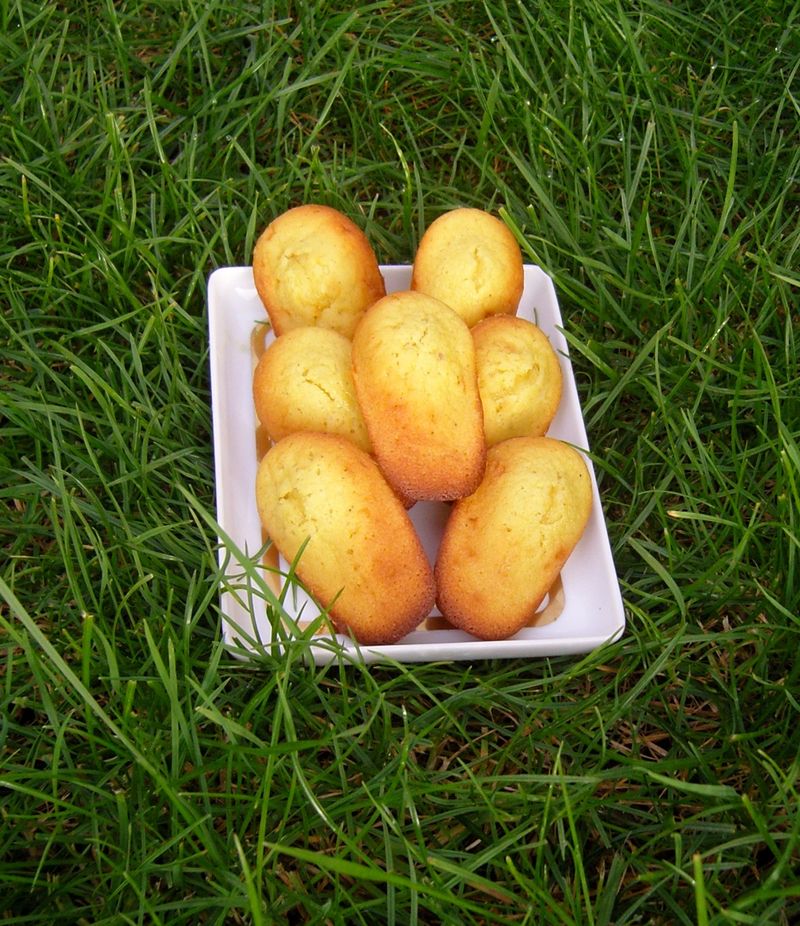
x=584 y=612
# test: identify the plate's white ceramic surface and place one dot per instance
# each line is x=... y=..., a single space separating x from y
x=590 y=603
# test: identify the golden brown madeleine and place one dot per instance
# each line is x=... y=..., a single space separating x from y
x=519 y=378
x=469 y=259
x=503 y=547
x=313 y=266
x=304 y=382
x=416 y=383
x=363 y=558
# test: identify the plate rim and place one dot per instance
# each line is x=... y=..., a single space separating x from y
x=338 y=646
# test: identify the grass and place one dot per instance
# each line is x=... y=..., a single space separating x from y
x=646 y=156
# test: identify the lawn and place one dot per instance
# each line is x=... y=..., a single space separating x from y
x=647 y=156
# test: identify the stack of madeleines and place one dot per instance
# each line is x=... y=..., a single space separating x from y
x=373 y=402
